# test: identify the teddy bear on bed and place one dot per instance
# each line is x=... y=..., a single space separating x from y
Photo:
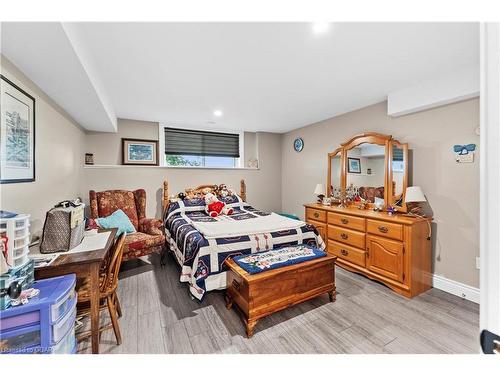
x=214 y=207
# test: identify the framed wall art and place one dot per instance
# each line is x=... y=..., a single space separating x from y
x=17 y=134
x=139 y=152
x=353 y=165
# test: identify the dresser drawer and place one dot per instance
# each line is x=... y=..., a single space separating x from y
x=316 y=215
x=347 y=252
x=351 y=222
x=385 y=229
x=347 y=236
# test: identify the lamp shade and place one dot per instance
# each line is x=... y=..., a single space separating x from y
x=320 y=189
x=414 y=194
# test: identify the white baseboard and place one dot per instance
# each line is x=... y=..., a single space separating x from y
x=454 y=287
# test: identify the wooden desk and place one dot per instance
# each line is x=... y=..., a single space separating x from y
x=84 y=264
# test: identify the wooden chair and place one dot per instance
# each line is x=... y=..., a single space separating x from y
x=108 y=284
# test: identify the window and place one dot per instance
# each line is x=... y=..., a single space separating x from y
x=197 y=148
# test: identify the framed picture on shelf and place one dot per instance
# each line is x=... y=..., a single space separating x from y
x=139 y=151
x=17 y=134
x=353 y=165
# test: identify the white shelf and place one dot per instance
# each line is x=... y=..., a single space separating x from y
x=361 y=174
x=111 y=166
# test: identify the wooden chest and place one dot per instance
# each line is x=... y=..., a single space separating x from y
x=267 y=292
x=392 y=249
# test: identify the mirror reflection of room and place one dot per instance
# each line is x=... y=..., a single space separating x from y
x=366 y=172
x=398 y=169
x=335 y=183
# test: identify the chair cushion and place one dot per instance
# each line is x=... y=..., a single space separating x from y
x=118 y=220
x=112 y=200
x=139 y=240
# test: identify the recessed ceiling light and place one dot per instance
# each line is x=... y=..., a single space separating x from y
x=218 y=113
x=320 y=27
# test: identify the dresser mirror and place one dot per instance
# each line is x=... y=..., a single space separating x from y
x=335 y=174
x=398 y=174
x=370 y=166
x=366 y=172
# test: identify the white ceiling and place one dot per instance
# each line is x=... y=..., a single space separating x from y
x=263 y=76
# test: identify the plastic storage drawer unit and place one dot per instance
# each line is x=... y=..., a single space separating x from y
x=46 y=323
x=15 y=232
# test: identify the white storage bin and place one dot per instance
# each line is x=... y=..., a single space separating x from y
x=22 y=232
x=19 y=252
x=22 y=221
x=16 y=230
x=67 y=322
x=65 y=305
x=66 y=345
x=20 y=261
x=22 y=241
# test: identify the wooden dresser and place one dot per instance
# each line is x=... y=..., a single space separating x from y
x=392 y=249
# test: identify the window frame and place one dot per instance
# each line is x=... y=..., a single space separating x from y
x=239 y=162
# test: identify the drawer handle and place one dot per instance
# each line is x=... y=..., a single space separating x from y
x=383 y=229
x=316 y=215
x=344 y=236
x=236 y=285
x=344 y=252
x=344 y=221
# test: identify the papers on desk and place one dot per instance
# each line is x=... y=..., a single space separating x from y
x=43 y=260
x=91 y=241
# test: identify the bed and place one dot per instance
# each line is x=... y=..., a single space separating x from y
x=201 y=244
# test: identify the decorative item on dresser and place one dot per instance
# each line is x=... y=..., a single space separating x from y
x=414 y=196
x=320 y=192
x=388 y=247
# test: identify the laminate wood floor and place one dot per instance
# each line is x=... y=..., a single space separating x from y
x=159 y=316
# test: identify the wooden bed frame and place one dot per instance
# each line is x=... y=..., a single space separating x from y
x=198 y=189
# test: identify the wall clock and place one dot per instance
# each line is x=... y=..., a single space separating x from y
x=298 y=144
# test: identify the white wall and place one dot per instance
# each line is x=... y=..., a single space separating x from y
x=452 y=189
x=58 y=157
x=448 y=88
x=263 y=185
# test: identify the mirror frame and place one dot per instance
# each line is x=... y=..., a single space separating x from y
x=329 y=174
x=374 y=138
x=403 y=208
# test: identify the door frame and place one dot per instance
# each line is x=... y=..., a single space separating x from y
x=490 y=177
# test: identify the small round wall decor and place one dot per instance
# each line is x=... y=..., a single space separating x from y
x=298 y=144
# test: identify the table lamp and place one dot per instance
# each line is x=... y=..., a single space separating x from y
x=320 y=192
x=413 y=197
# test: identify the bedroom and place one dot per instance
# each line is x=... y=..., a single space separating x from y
x=350 y=149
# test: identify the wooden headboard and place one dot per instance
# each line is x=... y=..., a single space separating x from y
x=199 y=189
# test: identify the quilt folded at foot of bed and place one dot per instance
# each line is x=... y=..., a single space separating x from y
x=272 y=259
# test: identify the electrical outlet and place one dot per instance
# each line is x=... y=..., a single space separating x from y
x=478 y=263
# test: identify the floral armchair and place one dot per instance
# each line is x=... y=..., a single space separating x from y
x=149 y=237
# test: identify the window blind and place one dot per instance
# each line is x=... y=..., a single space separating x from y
x=397 y=154
x=201 y=143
